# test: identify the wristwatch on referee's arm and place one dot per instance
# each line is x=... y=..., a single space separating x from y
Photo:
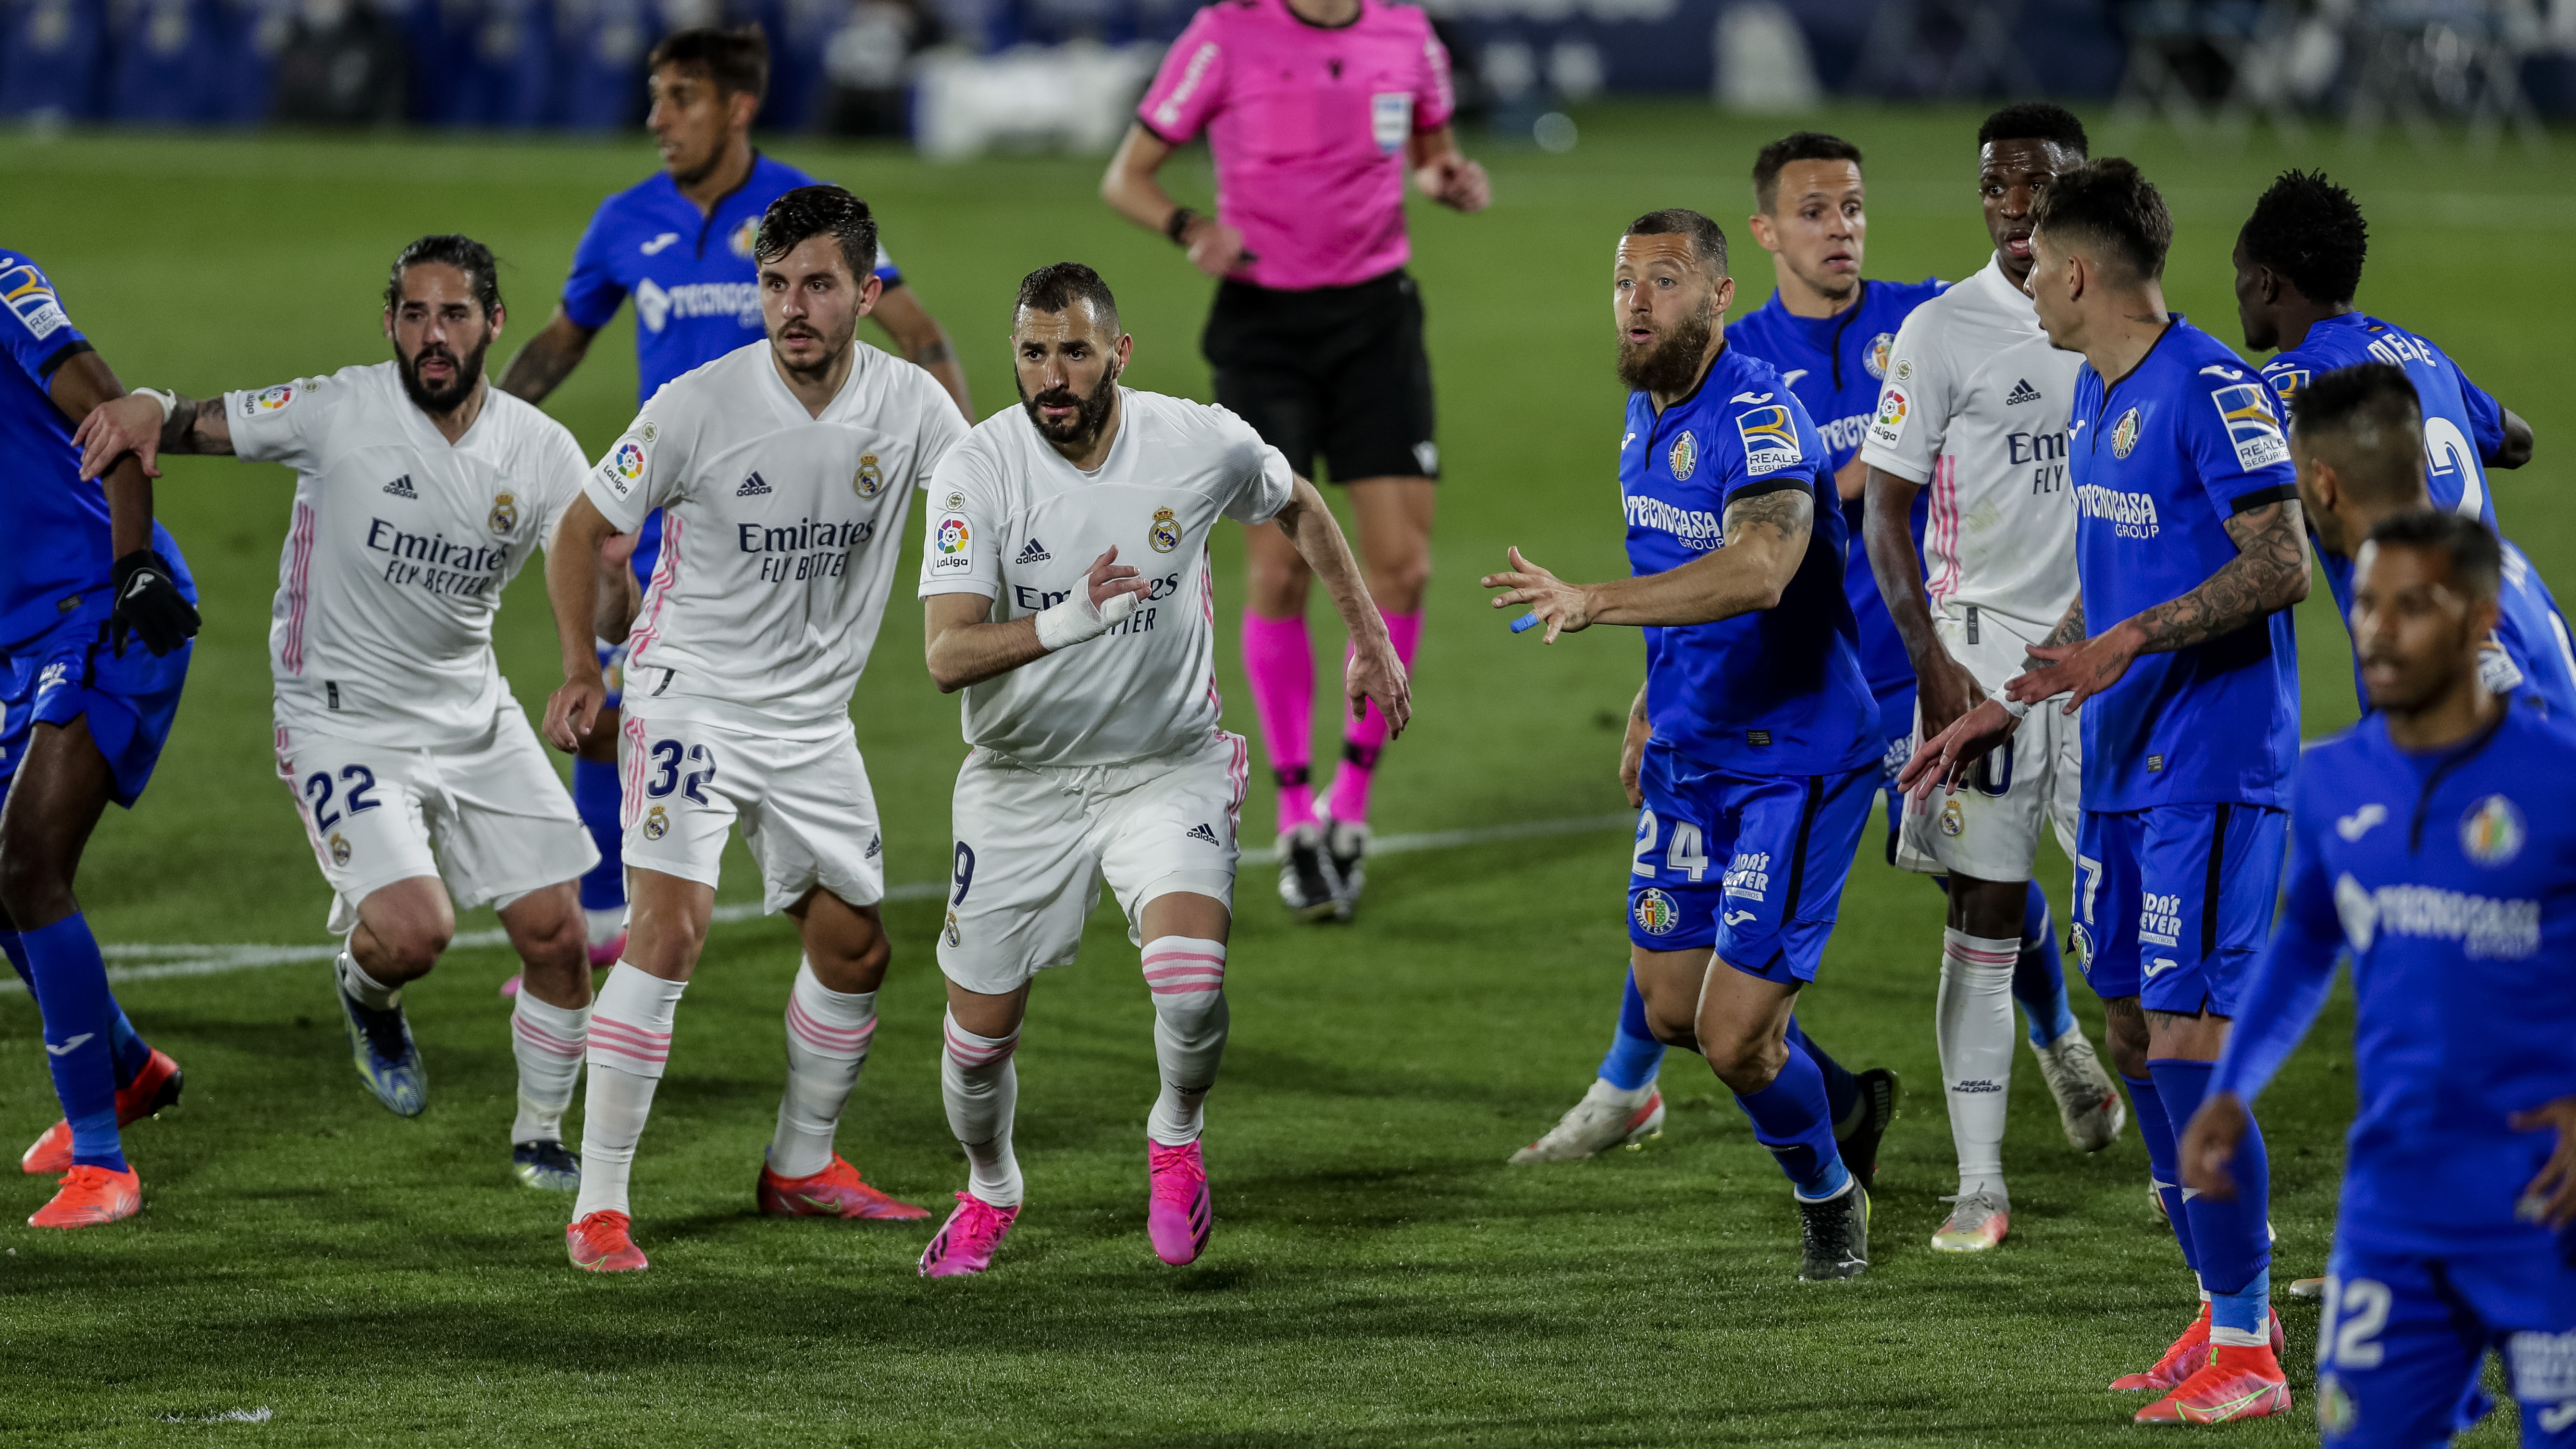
x=1177 y=225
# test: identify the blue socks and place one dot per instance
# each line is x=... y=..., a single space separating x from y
x=80 y=1014
x=2039 y=978
x=599 y=798
x=1635 y=1056
x=2231 y=1245
x=2163 y=1161
x=1842 y=1090
x=1791 y=1118
x=131 y=1051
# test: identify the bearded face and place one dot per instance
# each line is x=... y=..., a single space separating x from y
x=1090 y=416
x=1667 y=361
x=438 y=380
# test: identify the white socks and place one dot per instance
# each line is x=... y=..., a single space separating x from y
x=981 y=1089
x=630 y=1040
x=827 y=1043
x=371 y=993
x=1187 y=976
x=549 y=1042
x=1974 y=1026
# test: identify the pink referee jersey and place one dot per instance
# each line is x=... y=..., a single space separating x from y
x=1309 y=125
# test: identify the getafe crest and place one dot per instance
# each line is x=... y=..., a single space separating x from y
x=2124 y=434
x=744 y=235
x=2492 y=832
x=1656 y=913
x=1165 y=535
x=869 y=481
x=505 y=513
x=1684 y=457
x=1874 y=361
x=656 y=824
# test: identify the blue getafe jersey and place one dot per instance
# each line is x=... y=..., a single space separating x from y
x=1779 y=692
x=2160 y=460
x=60 y=552
x=2452 y=879
x=2463 y=427
x=1834 y=365
x=696 y=288
x=2533 y=638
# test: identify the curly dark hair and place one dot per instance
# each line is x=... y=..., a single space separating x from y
x=812 y=211
x=464 y=253
x=2036 y=121
x=2309 y=230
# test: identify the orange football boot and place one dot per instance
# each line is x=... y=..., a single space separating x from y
x=2238 y=1383
x=836 y=1192
x=2188 y=1355
x=602 y=1243
x=154 y=1088
x=90 y=1196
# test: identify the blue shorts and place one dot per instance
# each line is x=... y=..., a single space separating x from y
x=2404 y=1338
x=130 y=702
x=612 y=667
x=1900 y=749
x=1752 y=865
x=2172 y=903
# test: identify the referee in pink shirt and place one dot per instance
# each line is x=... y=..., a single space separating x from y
x=1316 y=111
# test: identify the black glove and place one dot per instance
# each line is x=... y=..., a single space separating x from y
x=149 y=605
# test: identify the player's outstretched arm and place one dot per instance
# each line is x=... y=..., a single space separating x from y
x=1446 y=176
x=572 y=587
x=148 y=604
x=2268 y=574
x=923 y=342
x=145 y=426
x=1944 y=757
x=1766 y=540
x=963 y=645
x=548 y=358
x=1134 y=192
x=2517 y=443
x=1375 y=672
x=1944 y=685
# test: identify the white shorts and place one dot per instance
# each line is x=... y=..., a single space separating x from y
x=1034 y=845
x=490 y=818
x=808 y=815
x=1990 y=829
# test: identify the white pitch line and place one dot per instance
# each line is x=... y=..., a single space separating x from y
x=157 y=963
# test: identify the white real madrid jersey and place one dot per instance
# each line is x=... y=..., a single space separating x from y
x=1011 y=520
x=780 y=532
x=1975 y=407
x=400 y=546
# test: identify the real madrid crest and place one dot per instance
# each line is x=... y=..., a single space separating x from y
x=1953 y=819
x=505 y=513
x=1165 y=535
x=656 y=824
x=869 y=480
x=1684 y=457
x=339 y=848
x=950 y=930
x=2124 y=434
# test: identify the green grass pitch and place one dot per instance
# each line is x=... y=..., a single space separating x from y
x=1378 y=1277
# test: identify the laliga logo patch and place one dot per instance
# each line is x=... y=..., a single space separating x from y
x=951 y=537
x=869 y=481
x=2492 y=832
x=656 y=823
x=1684 y=457
x=1656 y=912
x=271 y=399
x=1165 y=534
x=1875 y=359
x=743 y=236
x=505 y=513
x=339 y=849
x=2124 y=435
x=1953 y=819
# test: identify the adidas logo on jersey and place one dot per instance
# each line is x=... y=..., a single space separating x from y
x=876 y=847
x=401 y=487
x=2022 y=392
x=752 y=487
x=1033 y=552
x=1201 y=832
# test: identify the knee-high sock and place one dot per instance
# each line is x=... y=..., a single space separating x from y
x=597 y=795
x=630 y=1043
x=79 y=1013
x=1842 y=1089
x=2231 y=1241
x=1364 y=737
x=1973 y=1026
x=980 y=1087
x=2039 y=976
x=1790 y=1118
x=130 y=1050
x=1186 y=975
x=1635 y=1056
x=549 y=1042
x=1279 y=660
x=827 y=1043
x=2164 y=1168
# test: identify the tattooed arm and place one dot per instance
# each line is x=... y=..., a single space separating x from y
x=548 y=358
x=1766 y=540
x=2069 y=630
x=133 y=424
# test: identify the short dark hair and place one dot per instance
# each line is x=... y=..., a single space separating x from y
x=1055 y=288
x=2109 y=203
x=2374 y=411
x=1707 y=238
x=2309 y=230
x=2035 y=121
x=2477 y=558
x=1796 y=146
x=812 y=211
x=464 y=253
x=737 y=60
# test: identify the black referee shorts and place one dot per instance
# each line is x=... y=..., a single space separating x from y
x=1338 y=371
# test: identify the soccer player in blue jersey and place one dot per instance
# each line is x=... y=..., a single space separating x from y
x=2356 y=439
x=2432 y=842
x=2178 y=650
x=1762 y=756
x=97 y=618
x=680 y=245
x=2298 y=266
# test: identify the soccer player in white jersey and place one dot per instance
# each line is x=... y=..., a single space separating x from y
x=1091 y=701
x=1974 y=408
x=784 y=471
x=420 y=492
